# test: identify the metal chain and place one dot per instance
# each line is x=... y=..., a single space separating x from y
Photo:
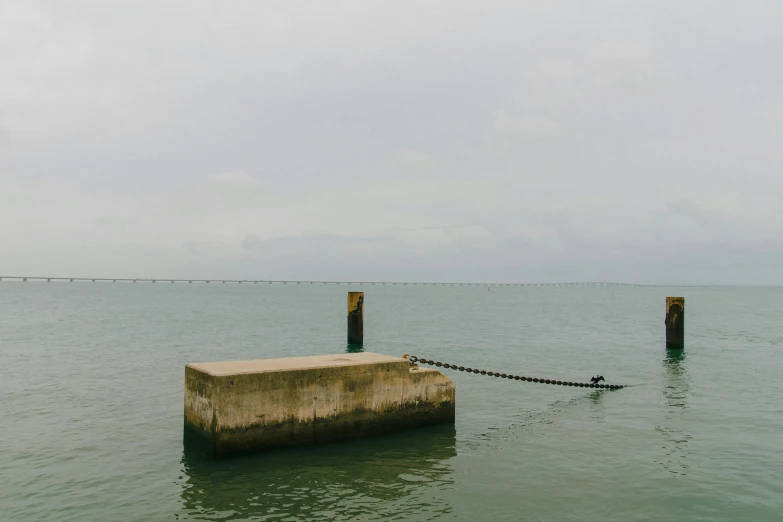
x=413 y=360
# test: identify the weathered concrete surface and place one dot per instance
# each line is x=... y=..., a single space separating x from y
x=239 y=406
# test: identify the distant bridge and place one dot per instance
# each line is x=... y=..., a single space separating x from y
x=291 y=282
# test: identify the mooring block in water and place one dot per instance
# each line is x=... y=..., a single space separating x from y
x=675 y=322
x=243 y=406
x=355 y=317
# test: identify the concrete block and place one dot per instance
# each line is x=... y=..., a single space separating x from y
x=242 y=406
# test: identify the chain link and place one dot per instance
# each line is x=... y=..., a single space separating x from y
x=414 y=360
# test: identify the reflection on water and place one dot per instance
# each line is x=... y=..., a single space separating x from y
x=383 y=477
x=675 y=390
x=597 y=397
x=354 y=348
x=676 y=381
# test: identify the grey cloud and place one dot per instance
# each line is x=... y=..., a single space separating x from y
x=5 y=136
x=310 y=244
x=204 y=248
x=500 y=140
x=526 y=127
x=115 y=222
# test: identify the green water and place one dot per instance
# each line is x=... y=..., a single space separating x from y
x=91 y=381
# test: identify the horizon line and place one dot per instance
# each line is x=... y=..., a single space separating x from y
x=359 y=282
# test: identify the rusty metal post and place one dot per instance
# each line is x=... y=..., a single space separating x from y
x=675 y=323
x=355 y=317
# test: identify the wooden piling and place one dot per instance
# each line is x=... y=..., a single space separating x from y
x=355 y=317
x=675 y=323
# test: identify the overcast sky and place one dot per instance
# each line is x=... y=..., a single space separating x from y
x=515 y=141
